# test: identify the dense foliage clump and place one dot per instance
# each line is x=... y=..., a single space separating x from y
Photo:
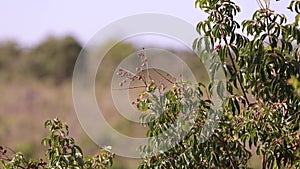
x=62 y=152
x=261 y=107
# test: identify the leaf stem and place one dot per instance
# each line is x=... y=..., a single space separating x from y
x=235 y=69
x=227 y=152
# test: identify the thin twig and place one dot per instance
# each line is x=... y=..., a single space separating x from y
x=163 y=76
x=131 y=87
x=264 y=164
x=260 y=4
x=227 y=152
x=239 y=80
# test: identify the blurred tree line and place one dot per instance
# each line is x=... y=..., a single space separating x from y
x=51 y=60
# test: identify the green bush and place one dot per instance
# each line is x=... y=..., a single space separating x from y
x=261 y=110
x=62 y=152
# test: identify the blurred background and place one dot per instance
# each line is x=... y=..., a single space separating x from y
x=39 y=45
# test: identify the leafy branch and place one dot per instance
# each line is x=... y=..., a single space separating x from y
x=62 y=152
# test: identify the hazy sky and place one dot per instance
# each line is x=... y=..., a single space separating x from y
x=29 y=21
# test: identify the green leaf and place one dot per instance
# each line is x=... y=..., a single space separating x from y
x=220 y=89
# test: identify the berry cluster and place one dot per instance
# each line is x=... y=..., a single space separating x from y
x=11 y=159
x=129 y=76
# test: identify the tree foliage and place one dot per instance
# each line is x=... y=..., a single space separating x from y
x=51 y=60
x=62 y=152
x=260 y=100
x=261 y=109
x=55 y=57
x=10 y=52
